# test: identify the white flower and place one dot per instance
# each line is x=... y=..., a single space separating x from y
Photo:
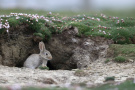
x=84 y=15
x=101 y=14
x=99 y=30
x=92 y=18
x=46 y=20
x=104 y=32
x=83 y=18
x=117 y=17
x=36 y=19
x=17 y=17
x=114 y=17
x=50 y=13
x=0 y=26
x=98 y=19
x=104 y=16
x=122 y=20
x=7 y=30
x=7 y=26
x=118 y=22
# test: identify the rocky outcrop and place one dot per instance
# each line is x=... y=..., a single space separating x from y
x=16 y=46
x=69 y=50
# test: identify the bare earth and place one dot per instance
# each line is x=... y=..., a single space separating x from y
x=94 y=74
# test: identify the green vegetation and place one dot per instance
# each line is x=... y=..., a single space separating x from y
x=44 y=68
x=107 y=60
x=127 y=51
x=119 y=28
x=128 y=85
x=120 y=59
x=110 y=78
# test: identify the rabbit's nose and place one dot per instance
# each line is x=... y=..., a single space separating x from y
x=50 y=57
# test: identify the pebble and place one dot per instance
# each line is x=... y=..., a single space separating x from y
x=97 y=71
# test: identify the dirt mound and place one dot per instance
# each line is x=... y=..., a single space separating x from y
x=69 y=50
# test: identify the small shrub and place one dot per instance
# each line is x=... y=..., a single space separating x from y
x=120 y=59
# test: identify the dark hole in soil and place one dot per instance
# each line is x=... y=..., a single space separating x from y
x=19 y=65
x=50 y=66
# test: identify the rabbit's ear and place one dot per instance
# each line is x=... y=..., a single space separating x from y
x=41 y=46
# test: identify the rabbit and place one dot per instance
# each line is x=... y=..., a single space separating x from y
x=36 y=60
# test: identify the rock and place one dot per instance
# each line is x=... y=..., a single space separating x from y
x=70 y=51
x=48 y=81
x=131 y=60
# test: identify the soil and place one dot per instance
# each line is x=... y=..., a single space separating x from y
x=94 y=74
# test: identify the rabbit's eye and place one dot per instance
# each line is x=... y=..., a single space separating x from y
x=46 y=53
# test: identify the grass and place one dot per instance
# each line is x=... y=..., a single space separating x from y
x=127 y=85
x=118 y=28
x=127 y=50
x=122 y=53
x=120 y=59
